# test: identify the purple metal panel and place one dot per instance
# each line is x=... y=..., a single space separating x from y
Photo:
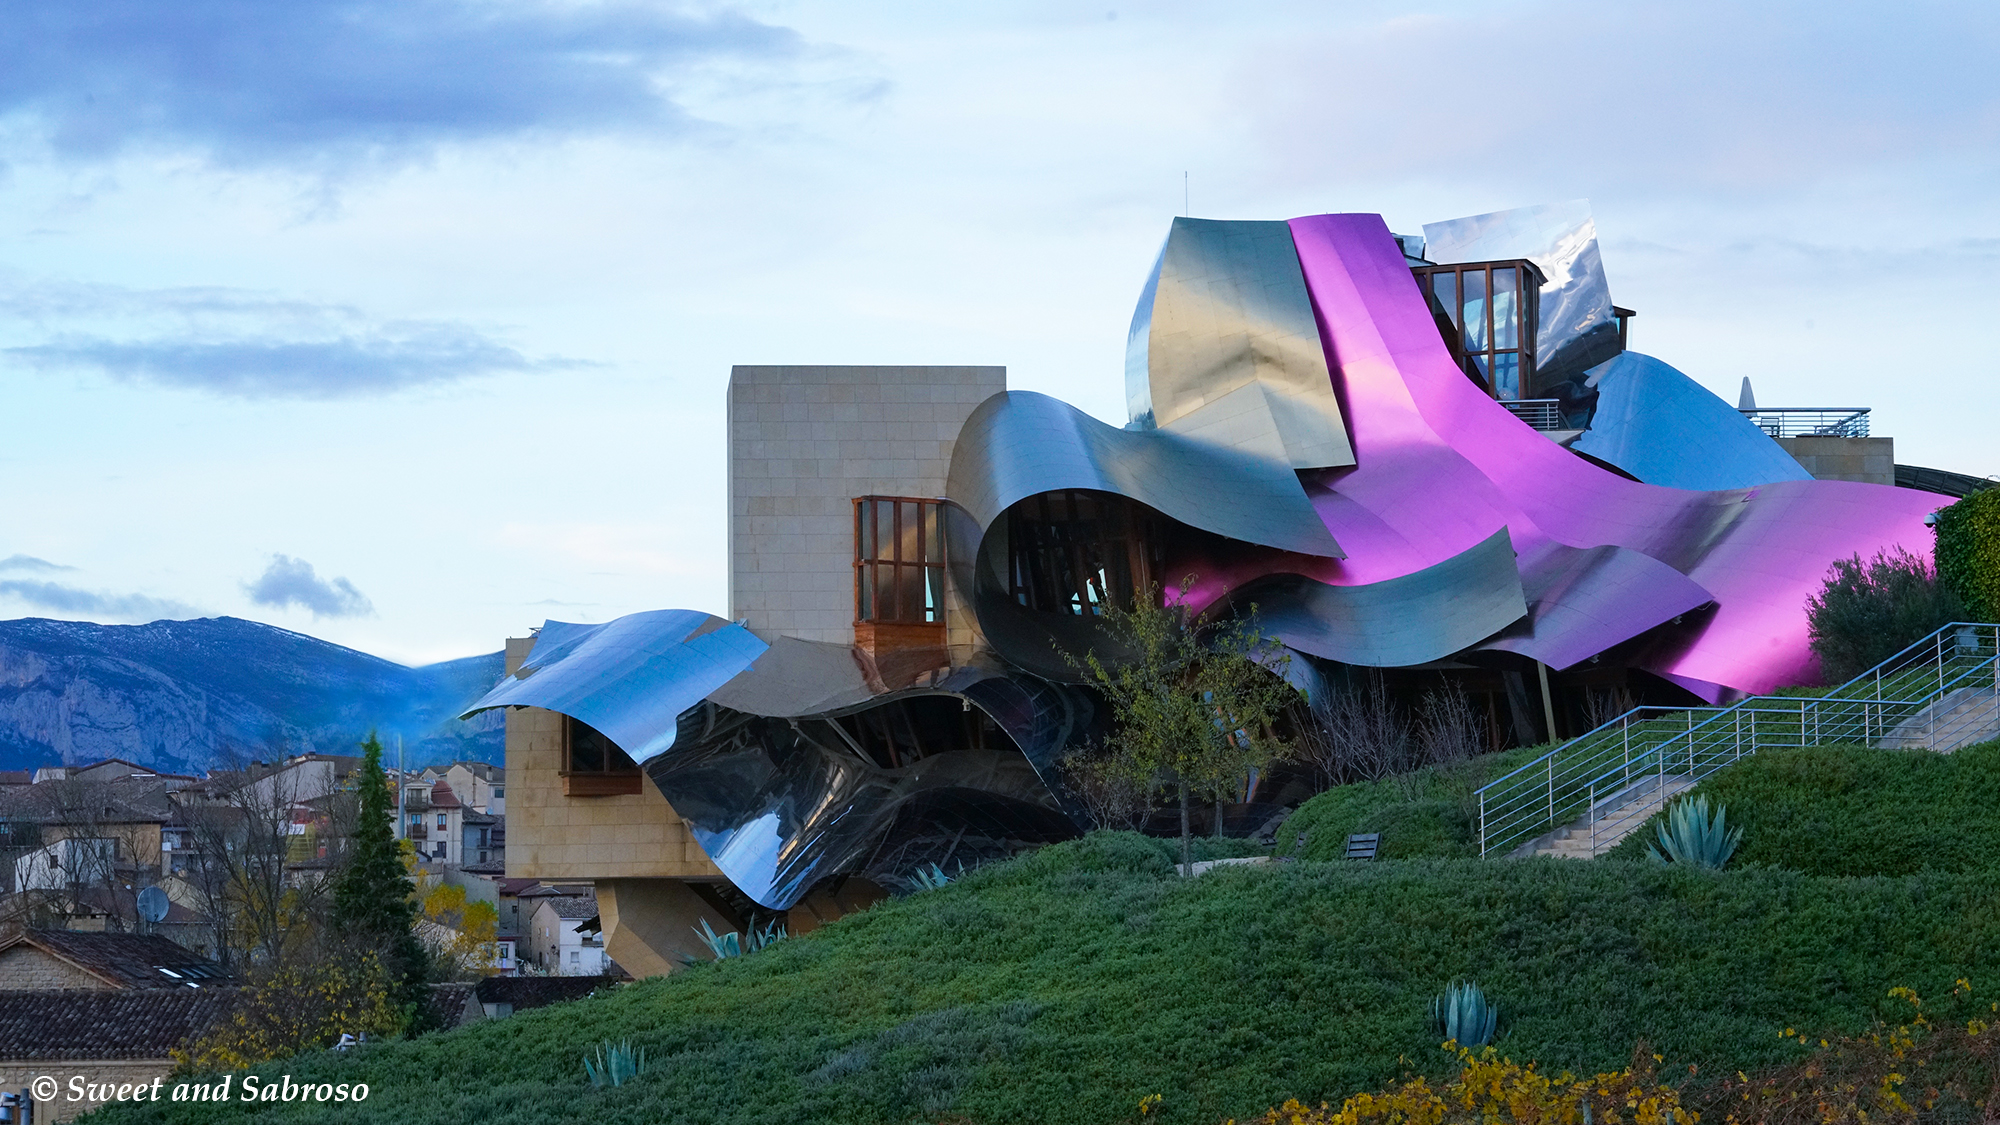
x=1439 y=466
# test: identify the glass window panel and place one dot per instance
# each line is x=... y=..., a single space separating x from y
x=885 y=529
x=910 y=547
x=865 y=586
x=1445 y=285
x=933 y=593
x=1506 y=308
x=1475 y=310
x=863 y=549
x=933 y=533
x=910 y=581
x=586 y=748
x=885 y=592
x=1507 y=375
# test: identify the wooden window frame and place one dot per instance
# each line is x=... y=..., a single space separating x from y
x=931 y=574
x=1130 y=527
x=1527 y=296
x=611 y=781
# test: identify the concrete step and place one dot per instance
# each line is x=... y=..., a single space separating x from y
x=1961 y=718
x=1616 y=818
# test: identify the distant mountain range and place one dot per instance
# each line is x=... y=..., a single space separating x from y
x=181 y=696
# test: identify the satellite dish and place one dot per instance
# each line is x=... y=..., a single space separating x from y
x=153 y=904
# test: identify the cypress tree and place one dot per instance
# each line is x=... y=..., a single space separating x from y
x=372 y=907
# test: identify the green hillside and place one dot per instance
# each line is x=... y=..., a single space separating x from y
x=1066 y=985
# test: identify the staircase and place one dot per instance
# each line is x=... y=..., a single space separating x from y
x=1607 y=821
x=1582 y=797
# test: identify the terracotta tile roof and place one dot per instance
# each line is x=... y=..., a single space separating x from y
x=125 y=961
x=106 y=1025
x=442 y=797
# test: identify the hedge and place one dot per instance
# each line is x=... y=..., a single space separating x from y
x=1968 y=552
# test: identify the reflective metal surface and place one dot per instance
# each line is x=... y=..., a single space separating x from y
x=1577 y=328
x=1417 y=618
x=1664 y=428
x=1582 y=601
x=1019 y=443
x=1437 y=461
x=780 y=803
x=1223 y=347
x=630 y=677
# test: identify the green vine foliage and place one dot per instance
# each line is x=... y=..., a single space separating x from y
x=1968 y=552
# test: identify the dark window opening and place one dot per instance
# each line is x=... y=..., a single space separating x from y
x=1077 y=552
x=898 y=561
x=1487 y=313
x=593 y=765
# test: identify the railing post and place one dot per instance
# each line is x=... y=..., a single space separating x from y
x=1593 y=820
x=1625 y=738
x=1552 y=789
x=1482 y=824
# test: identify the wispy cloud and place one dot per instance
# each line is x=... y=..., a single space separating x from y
x=58 y=598
x=30 y=562
x=245 y=343
x=289 y=581
x=344 y=367
x=312 y=80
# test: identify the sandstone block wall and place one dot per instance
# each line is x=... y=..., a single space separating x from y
x=803 y=443
x=1870 y=460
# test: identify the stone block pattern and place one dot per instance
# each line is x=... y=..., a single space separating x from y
x=1870 y=460
x=803 y=443
x=553 y=837
x=23 y=968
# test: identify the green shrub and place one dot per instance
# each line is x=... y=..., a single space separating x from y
x=1855 y=811
x=1968 y=553
x=1686 y=833
x=1431 y=813
x=1867 y=612
x=1224 y=993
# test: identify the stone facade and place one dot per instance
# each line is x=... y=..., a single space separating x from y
x=1870 y=460
x=804 y=442
x=554 y=837
x=24 y=968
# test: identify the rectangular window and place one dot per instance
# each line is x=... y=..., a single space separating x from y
x=1487 y=314
x=593 y=765
x=440 y=820
x=898 y=561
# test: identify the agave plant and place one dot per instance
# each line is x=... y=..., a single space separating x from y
x=1688 y=834
x=928 y=878
x=1463 y=1015
x=733 y=944
x=614 y=1064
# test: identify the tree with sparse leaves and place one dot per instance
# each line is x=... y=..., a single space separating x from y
x=1193 y=707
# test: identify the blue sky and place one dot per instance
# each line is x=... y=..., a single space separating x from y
x=406 y=323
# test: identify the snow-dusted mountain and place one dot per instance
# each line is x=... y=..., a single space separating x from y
x=183 y=695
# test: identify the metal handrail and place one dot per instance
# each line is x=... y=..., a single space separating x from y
x=1543 y=414
x=1810 y=421
x=1874 y=708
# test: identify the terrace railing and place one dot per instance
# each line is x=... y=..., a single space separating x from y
x=1810 y=421
x=1942 y=692
x=1541 y=413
